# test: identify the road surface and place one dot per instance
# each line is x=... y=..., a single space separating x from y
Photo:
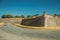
x=11 y=32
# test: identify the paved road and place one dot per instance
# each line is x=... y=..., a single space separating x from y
x=12 y=32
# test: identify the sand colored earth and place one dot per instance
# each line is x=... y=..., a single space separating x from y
x=1 y=23
x=39 y=28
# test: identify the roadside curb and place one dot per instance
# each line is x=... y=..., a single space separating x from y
x=38 y=28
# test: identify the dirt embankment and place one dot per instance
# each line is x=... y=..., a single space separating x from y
x=1 y=23
x=39 y=28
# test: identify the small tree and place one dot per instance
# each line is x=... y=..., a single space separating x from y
x=55 y=15
x=28 y=16
x=22 y=16
x=59 y=15
x=4 y=16
x=7 y=16
x=36 y=15
x=17 y=16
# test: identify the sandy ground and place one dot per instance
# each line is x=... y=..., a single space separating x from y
x=12 y=32
x=1 y=23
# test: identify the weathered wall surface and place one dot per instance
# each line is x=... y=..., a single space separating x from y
x=12 y=20
x=42 y=21
x=53 y=21
x=38 y=21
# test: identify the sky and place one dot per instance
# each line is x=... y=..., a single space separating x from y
x=29 y=7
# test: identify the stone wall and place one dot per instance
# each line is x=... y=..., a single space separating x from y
x=47 y=21
x=38 y=21
x=52 y=21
